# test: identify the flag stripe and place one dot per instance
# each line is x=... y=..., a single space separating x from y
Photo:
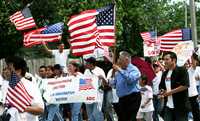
x=83 y=45
x=83 y=40
x=13 y=103
x=18 y=95
x=83 y=14
x=25 y=27
x=85 y=25
x=84 y=34
x=29 y=97
x=48 y=34
x=87 y=29
x=22 y=22
x=82 y=50
x=25 y=21
x=171 y=39
x=22 y=93
x=82 y=23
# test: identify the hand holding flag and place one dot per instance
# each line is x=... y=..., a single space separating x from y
x=17 y=95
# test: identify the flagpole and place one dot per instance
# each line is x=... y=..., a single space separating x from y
x=193 y=22
x=115 y=49
x=185 y=3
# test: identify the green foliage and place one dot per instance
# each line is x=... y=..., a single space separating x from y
x=132 y=17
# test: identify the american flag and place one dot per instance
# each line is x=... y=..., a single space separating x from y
x=17 y=95
x=85 y=84
x=92 y=27
x=171 y=39
x=23 y=19
x=149 y=37
x=47 y=34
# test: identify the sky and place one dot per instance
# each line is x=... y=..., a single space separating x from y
x=197 y=3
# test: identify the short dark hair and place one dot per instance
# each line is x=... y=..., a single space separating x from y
x=57 y=66
x=91 y=60
x=195 y=57
x=50 y=67
x=43 y=66
x=10 y=59
x=172 y=55
x=77 y=65
x=60 y=42
x=19 y=63
x=144 y=78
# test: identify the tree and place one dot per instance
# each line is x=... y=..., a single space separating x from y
x=132 y=17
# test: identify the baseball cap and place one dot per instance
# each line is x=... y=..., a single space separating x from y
x=90 y=60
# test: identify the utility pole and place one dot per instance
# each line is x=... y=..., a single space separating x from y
x=185 y=3
x=193 y=22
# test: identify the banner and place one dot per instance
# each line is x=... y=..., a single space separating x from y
x=71 y=90
x=184 y=51
x=151 y=48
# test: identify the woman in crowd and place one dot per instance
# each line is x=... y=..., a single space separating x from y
x=49 y=73
x=74 y=72
x=193 y=72
x=53 y=109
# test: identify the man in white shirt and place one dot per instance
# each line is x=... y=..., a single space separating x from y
x=174 y=89
x=18 y=66
x=61 y=55
x=94 y=109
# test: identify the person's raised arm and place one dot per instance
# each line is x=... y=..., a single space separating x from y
x=46 y=48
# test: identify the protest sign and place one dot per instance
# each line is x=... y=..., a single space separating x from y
x=71 y=90
x=183 y=51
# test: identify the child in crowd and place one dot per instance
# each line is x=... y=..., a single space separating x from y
x=146 y=107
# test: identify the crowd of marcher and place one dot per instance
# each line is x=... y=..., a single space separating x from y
x=124 y=91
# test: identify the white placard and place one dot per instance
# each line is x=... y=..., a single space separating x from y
x=71 y=90
x=151 y=49
x=183 y=51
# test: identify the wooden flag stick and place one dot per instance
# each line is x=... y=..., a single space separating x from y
x=115 y=29
x=114 y=49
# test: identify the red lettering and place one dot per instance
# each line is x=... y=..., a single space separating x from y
x=90 y=98
x=59 y=86
x=153 y=52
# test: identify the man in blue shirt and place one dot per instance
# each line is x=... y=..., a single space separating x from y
x=125 y=81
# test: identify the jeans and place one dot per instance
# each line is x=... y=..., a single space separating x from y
x=75 y=111
x=195 y=108
x=198 y=89
x=94 y=114
x=156 y=104
x=107 y=105
x=43 y=116
x=174 y=115
x=54 y=113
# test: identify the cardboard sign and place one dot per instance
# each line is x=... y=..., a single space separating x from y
x=184 y=51
x=71 y=90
